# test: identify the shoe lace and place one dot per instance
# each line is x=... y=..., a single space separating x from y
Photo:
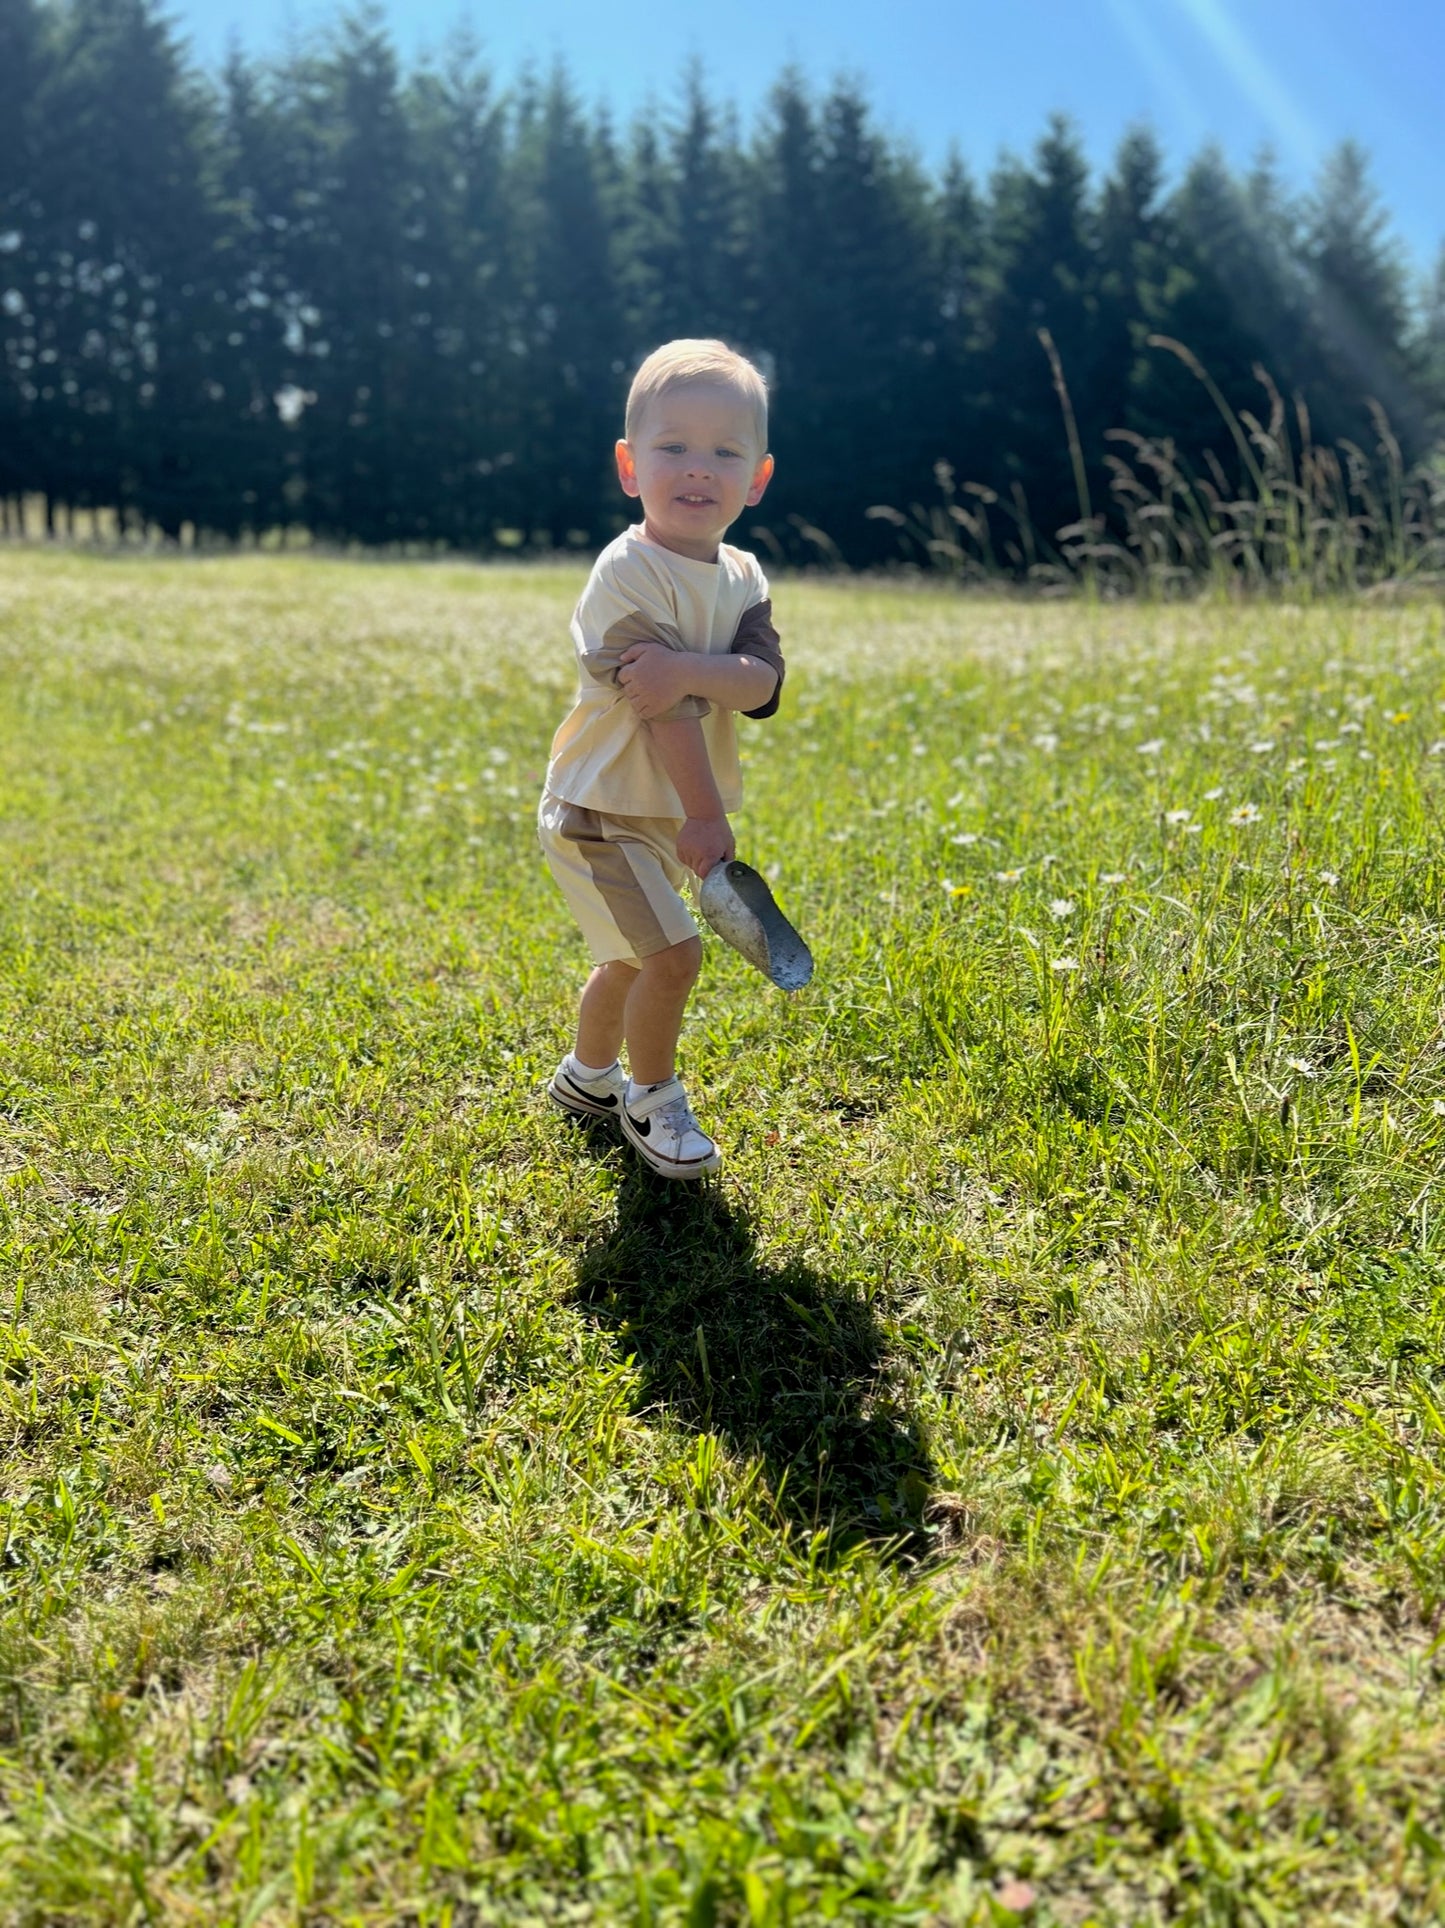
x=676 y=1114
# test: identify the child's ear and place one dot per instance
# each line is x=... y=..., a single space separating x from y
x=627 y=470
x=762 y=476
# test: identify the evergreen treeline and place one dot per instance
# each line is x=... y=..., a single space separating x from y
x=392 y=306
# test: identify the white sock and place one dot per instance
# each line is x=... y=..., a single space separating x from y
x=635 y=1090
x=588 y=1072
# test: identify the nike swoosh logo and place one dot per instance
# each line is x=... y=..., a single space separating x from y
x=591 y=1097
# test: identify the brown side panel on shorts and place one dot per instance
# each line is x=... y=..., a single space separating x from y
x=614 y=877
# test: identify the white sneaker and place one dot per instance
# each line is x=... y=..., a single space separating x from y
x=599 y=1097
x=659 y=1125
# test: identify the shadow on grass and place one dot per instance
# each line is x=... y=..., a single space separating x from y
x=784 y=1365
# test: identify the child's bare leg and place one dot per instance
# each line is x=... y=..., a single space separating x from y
x=656 y=1002
x=599 y=1020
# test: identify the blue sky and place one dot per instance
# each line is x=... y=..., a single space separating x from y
x=1297 y=74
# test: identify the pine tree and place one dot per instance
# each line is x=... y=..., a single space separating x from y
x=711 y=289
x=278 y=175
x=1043 y=275
x=123 y=403
x=1432 y=351
x=573 y=364
x=848 y=309
x=246 y=338
x=1134 y=247
x=882 y=299
x=646 y=239
x=1360 y=305
x=786 y=223
x=358 y=278
x=466 y=439
x=683 y=260
x=1233 y=296
x=959 y=226
x=25 y=55
x=948 y=402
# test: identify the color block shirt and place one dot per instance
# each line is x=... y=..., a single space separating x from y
x=603 y=755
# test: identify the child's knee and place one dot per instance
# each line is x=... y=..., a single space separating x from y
x=677 y=966
x=618 y=971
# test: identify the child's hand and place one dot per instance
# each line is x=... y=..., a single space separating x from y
x=705 y=841
x=652 y=678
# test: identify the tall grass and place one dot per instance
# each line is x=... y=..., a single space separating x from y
x=1295 y=515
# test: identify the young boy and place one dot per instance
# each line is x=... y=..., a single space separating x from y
x=673 y=633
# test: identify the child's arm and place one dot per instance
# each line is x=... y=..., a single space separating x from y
x=706 y=837
x=627 y=604
x=653 y=679
x=749 y=678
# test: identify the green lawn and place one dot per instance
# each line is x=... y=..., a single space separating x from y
x=1015 y=1492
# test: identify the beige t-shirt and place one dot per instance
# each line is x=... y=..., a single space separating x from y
x=603 y=756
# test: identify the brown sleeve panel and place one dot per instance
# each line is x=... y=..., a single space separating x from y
x=757 y=637
x=604 y=663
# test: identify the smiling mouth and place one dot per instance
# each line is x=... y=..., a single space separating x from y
x=696 y=501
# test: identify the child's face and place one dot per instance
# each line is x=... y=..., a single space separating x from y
x=695 y=462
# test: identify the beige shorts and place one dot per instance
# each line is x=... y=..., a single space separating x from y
x=621 y=878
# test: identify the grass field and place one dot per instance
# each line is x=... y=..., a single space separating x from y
x=1015 y=1492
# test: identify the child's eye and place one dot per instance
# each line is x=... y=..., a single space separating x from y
x=671 y=448
x=728 y=455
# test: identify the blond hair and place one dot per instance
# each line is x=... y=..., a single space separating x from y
x=680 y=362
